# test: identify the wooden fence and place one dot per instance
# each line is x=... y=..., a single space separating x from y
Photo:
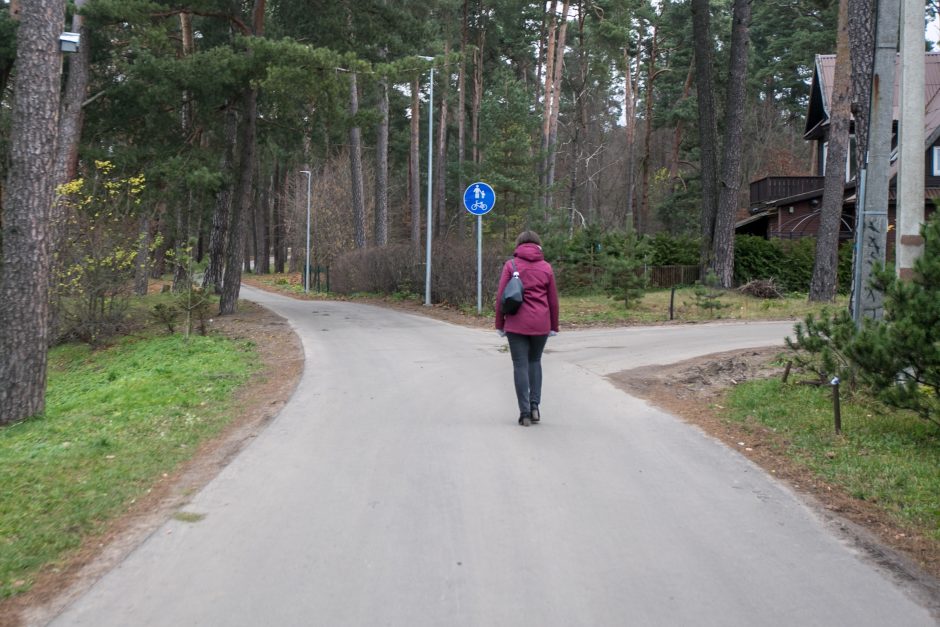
x=667 y=276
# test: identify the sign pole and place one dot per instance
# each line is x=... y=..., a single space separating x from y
x=479 y=264
x=479 y=198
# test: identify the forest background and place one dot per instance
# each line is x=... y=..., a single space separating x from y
x=187 y=135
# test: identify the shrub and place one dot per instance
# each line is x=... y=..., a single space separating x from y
x=788 y=262
x=400 y=269
x=674 y=250
x=96 y=263
x=165 y=315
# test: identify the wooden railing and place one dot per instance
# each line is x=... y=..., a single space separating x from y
x=776 y=187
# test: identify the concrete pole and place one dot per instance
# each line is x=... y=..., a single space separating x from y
x=910 y=190
x=872 y=229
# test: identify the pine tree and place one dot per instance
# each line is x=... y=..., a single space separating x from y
x=900 y=355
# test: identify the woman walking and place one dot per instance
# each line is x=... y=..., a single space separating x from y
x=529 y=328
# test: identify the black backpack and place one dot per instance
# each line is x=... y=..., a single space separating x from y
x=513 y=293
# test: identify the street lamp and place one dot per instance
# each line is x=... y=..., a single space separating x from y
x=307 y=258
x=427 y=276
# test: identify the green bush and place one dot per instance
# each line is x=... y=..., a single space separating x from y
x=788 y=262
x=674 y=250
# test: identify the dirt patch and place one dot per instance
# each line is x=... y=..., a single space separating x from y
x=694 y=390
x=282 y=360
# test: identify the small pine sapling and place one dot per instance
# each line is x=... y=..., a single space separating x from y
x=624 y=277
x=707 y=295
x=166 y=315
x=900 y=355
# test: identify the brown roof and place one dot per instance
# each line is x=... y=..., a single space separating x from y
x=825 y=71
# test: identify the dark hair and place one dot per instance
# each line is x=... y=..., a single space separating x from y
x=528 y=237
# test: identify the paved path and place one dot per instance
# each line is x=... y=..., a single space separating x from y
x=395 y=488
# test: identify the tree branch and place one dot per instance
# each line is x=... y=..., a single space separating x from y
x=231 y=18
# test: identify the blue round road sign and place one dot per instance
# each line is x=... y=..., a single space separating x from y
x=479 y=198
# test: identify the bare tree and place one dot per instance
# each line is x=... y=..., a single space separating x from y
x=27 y=254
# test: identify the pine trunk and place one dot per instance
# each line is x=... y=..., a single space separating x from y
x=547 y=103
x=223 y=207
x=27 y=254
x=629 y=157
x=381 y=168
x=241 y=208
x=263 y=248
x=461 y=117
x=825 y=267
x=556 y=106
x=707 y=128
x=440 y=159
x=861 y=28
x=651 y=74
x=477 y=89
x=71 y=117
x=277 y=220
x=730 y=181
x=414 y=178
x=355 y=166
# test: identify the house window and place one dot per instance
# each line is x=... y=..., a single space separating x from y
x=936 y=160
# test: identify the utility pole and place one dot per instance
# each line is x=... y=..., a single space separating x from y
x=911 y=149
x=872 y=225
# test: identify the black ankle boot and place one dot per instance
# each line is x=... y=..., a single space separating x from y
x=535 y=412
x=525 y=419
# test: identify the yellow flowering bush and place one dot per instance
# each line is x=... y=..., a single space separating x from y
x=98 y=257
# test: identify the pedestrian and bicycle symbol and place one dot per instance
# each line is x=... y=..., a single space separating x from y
x=479 y=198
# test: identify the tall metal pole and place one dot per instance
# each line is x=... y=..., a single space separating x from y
x=427 y=278
x=911 y=149
x=307 y=258
x=872 y=229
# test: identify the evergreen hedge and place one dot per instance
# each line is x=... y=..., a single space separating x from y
x=788 y=262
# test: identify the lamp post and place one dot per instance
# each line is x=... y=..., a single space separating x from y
x=427 y=275
x=307 y=258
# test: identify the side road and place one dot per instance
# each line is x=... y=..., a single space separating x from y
x=395 y=487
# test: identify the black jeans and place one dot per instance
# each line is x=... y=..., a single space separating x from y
x=526 y=351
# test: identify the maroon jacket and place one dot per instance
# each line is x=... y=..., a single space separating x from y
x=539 y=312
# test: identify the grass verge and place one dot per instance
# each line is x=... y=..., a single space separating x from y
x=599 y=309
x=115 y=420
x=885 y=457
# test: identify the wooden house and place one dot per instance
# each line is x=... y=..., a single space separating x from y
x=788 y=206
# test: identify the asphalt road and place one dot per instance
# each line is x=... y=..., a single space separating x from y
x=396 y=488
